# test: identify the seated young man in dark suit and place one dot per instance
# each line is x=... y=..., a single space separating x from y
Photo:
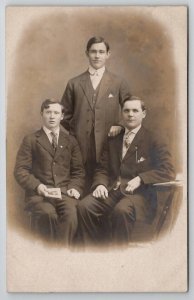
x=51 y=158
x=122 y=188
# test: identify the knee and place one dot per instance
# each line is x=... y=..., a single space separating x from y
x=85 y=204
x=121 y=210
x=45 y=211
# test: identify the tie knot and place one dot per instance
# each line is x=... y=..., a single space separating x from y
x=127 y=139
x=54 y=134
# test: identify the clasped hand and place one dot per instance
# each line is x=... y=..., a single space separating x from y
x=100 y=192
x=133 y=184
x=73 y=193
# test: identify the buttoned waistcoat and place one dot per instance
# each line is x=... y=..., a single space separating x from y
x=79 y=114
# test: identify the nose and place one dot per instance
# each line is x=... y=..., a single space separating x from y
x=97 y=54
x=130 y=113
x=52 y=115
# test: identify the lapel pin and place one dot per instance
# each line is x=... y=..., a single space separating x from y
x=61 y=146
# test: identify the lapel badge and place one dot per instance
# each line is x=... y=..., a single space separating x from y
x=61 y=146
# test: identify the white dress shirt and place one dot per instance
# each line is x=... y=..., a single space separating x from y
x=96 y=75
x=48 y=133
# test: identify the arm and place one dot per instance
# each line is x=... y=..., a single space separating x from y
x=77 y=171
x=163 y=169
x=101 y=175
x=123 y=94
x=68 y=103
x=23 y=167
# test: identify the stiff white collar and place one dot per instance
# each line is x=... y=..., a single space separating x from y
x=98 y=72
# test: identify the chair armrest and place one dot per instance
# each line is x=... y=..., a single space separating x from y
x=175 y=183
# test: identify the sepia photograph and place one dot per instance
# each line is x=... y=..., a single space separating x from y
x=96 y=131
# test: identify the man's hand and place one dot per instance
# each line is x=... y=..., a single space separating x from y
x=42 y=190
x=114 y=130
x=100 y=192
x=133 y=184
x=73 y=193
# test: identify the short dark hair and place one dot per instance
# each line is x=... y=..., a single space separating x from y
x=133 y=98
x=46 y=103
x=97 y=40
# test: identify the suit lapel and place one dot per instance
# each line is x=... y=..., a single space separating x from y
x=62 y=143
x=43 y=140
x=85 y=85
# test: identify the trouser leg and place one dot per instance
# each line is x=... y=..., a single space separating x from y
x=54 y=218
x=44 y=216
x=68 y=223
x=91 y=215
x=122 y=219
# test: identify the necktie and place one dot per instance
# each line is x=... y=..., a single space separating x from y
x=127 y=139
x=126 y=143
x=54 y=140
x=95 y=78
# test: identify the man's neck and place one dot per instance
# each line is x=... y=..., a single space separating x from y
x=56 y=129
x=135 y=130
x=102 y=69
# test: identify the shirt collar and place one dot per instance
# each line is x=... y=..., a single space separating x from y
x=48 y=131
x=134 y=131
x=92 y=71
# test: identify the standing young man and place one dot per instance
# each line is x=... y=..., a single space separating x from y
x=92 y=104
x=50 y=158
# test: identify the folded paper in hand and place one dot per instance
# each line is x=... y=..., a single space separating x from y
x=53 y=193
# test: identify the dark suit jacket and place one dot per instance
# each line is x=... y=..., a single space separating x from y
x=147 y=157
x=79 y=113
x=37 y=163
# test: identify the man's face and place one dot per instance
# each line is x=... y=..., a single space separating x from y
x=133 y=114
x=97 y=55
x=52 y=116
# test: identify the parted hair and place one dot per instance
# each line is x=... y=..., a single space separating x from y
x=96 y=40
x=132 y=98
x=46 y=103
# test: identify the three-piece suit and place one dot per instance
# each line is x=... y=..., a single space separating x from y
x=89 y=114
x=38 y=163
x=148 y=158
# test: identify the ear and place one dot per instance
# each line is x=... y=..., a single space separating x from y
x=144 y=113
x=108 y=54
x=86 y=52
x=62 y=116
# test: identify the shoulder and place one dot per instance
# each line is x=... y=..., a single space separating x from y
x=29 y=140
x=32 y=136
x=78 y=78
x=71 y=140
x=115 y=77
x=154 y=138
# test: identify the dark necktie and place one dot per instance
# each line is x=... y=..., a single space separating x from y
x=54 y=140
